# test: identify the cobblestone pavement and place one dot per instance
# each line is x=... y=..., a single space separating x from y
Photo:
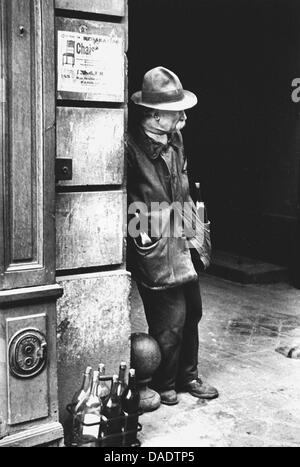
x=259 y=403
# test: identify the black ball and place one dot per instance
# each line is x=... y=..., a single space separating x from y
x=145 y=356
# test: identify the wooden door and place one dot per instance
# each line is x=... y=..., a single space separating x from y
x=28 y=292
x=27 y=198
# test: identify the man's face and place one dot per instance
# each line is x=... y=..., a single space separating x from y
x=171 y=121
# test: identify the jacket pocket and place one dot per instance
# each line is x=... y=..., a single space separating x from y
x=146 y=249
x=152 y=265
x=164 y=264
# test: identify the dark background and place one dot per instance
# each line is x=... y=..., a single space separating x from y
x=243 y=138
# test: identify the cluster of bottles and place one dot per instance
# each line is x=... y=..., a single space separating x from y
x=106 y=416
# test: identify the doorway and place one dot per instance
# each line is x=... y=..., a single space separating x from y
x=240 y=57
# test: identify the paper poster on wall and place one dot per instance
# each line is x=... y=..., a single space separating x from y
x=91 y=64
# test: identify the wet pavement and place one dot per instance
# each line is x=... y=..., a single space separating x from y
x=259 y=403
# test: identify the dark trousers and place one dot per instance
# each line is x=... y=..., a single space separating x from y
x=173 y=316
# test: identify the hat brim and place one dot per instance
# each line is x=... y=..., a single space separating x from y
x=189 y=100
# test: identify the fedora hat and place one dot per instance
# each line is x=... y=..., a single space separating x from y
x=163 y=90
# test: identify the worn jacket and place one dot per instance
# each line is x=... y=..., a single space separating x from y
x=158 y=173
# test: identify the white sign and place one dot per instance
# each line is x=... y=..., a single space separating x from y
x=90 y=63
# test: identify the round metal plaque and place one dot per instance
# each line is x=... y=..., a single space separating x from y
x=27 y=353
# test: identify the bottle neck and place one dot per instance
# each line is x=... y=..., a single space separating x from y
x=122 y=374
x=101 y=373
x=198 y=193
x=132 y=382
x=114 y=389
x=86 y=382
x=94 y=384
x=101 y=370
x=94 y=388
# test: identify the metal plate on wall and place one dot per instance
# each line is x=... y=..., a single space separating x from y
x=27 y=398
x=90 y=60
x=109 y=7
x=94 y=140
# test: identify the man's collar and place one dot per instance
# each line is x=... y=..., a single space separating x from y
x=153 y=148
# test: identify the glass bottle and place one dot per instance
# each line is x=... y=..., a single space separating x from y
x=112 y=417
x=91 y=415
x=103 y=389
x=201 y=208
x=130 y=407
x=77 y=403
x=84 y=390
x=121 y=384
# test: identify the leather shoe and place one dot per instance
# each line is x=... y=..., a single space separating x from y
x=198 y=388
x=149 y=399
x=169 y=397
